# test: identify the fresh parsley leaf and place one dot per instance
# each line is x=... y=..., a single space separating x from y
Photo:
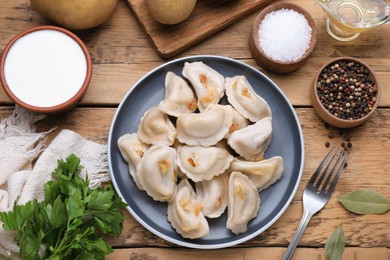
x=100 y=200
x=29 y=245
x=74 y=206
x=68 y=223
x=15 y=220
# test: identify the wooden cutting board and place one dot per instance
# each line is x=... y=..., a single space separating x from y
x=208 y=17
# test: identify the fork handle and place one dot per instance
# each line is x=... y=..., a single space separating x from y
x=298 y=234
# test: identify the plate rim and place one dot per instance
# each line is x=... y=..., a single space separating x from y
x=189 y=244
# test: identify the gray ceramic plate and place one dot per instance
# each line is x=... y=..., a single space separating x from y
x=287 y=142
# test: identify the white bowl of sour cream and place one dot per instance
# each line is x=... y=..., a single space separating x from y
x=46 y=69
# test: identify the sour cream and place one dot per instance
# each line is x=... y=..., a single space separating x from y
x=45 y=68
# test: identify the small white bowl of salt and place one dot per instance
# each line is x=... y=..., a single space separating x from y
x=282 y=38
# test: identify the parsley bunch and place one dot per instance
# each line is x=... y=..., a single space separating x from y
x=69 y=223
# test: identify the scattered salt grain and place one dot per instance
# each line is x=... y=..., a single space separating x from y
x=284 y=35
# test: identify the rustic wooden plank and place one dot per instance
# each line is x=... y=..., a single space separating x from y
x=367 y=168
x=350 y=253
x=207 y=18
x=130 y=56
x=111 y=82
x=128 y=43
x=122 y=54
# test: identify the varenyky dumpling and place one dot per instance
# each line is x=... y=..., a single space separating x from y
x=245 y=100
x=214 y=195
x=132 y=150
x=239 y=122
x=209 y=85
x=205 y=128
x=252 y=141
x=185 y=213
x=156 y=128
x=156 y=172
x=243 y=202
x=203 y=163
x=179 y=97
x=262 y=173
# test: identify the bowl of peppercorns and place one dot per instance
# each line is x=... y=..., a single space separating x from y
x=345 y=92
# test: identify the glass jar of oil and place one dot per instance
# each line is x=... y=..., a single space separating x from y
x=348 y=18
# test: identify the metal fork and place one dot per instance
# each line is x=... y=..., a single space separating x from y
x=317 y=193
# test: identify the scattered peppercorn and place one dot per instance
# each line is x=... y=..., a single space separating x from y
x=346 y=90
x=343 y=145
x=327 y=144
x=330 y=134
x=349 y=144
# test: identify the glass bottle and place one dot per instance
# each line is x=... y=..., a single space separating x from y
x=346 y=19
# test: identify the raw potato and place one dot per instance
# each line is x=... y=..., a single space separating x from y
x=170 y=11
x=75 y=14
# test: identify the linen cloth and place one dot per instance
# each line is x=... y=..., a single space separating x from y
x=20 y=146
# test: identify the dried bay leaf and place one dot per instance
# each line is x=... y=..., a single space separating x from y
x=365 y=202
x=335 y=245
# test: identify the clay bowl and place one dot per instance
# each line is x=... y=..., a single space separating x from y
x=258 y=54
x=324 y=113
x=15 y=68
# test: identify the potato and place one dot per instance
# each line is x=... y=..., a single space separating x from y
x=75 y=14
x=170 y=11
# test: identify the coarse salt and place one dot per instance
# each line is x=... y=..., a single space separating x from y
x=284 y=35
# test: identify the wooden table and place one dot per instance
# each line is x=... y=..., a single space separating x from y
x=121 y=54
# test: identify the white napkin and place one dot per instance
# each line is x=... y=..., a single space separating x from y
x=20 y=145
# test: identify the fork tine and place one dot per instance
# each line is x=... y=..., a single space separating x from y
x=318 y=170
x=318 y=184
x=323 y=189
x=331 y=188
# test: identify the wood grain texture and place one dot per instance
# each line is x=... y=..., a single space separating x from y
x=243 y=254
x=368 y=168
x=208 y=17
x=122 y=54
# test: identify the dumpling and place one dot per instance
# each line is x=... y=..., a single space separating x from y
x=156 y=172
x=239 y=122
x=185 y=213
x=262 y=173
x=243 y=202
x=252 y=141
x=132 y=150
x=156 y=128
x=203 y=163
x=214 y=195
x=209 y=85
x=206 y=128
x=224 y=144
x=242 y=97
x=179 y=97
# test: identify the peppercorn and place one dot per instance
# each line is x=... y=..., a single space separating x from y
x=347 y=91
x=327 y=144
x=349 y=145
x=330 y=134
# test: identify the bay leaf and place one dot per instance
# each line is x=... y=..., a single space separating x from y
x=365 y=202
x=335 y=245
